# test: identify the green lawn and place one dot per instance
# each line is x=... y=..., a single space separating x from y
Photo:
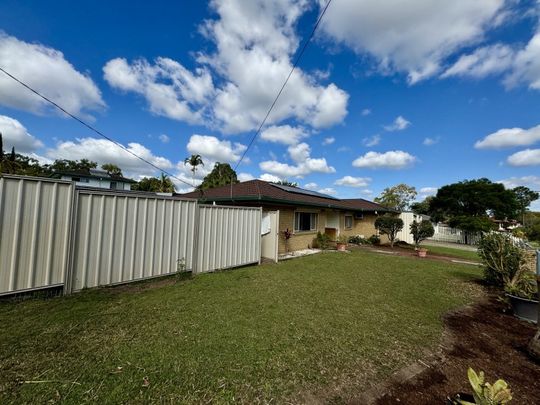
x=453 y=252
x=326 y=326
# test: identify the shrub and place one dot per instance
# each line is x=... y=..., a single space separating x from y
x=358 y=240
x=323 y=241
x=389 y=225
x=342 y=239
x=533 y=231
x=374 y=240
x=502 y=260
x=420 y=231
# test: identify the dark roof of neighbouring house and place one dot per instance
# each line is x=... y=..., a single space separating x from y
x=262 y=191
x=92 y=174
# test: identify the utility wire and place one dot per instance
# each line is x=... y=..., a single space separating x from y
x=306 y=43
x=91 y=127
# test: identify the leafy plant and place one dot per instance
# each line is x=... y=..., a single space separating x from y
x=287 y=235
x=323 y=241
x=389 y=225
x=485 y=393
x=374 y=240
x=342 y=239
x=502 y=260
x=420 y=231
x=358 y=240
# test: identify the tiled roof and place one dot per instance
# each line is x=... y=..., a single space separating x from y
x=259 y=191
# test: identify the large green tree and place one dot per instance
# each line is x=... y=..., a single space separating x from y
x=422 y=207
x=112 y=169
x=469 y=204
x=222 y=174
x=66 y=165
x=389 y=225
x=287 y=183
x=524 y=197
x=398 y=197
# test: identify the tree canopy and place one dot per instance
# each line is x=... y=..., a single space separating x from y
x=468 y=204
x=163 y=184
x=398 y=197
x=389 y=225
x=287 y=183
x=222 y=174
x=112 y=169
x=524 y=196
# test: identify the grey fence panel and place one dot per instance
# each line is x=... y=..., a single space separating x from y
x=35 y=220
x=121 y=237
x=228 y=237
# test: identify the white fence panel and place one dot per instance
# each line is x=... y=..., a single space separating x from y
x=228 y=237
x=123 y=237
x=35 y=221
x=445 y=233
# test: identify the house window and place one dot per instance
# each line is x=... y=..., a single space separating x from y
x=75 y=179
x=113 y=185
x=348 y=221
x=305 y=221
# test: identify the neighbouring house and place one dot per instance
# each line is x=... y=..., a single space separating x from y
x=96 y=178
x=303 y=212
x=408 y=217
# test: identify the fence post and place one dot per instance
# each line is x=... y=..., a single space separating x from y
x=195 y=249
x=69 y=270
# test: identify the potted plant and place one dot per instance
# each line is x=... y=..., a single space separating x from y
x=420 y=231
x=521 y=291
x=341 y=243
x=483 y=392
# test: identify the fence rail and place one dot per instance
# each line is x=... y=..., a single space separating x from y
x=56 y=234
x=453 y=235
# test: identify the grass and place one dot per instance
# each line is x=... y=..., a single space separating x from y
x=323 y=325
x=452 y=252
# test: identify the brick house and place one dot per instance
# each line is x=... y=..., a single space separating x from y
x=303 y=212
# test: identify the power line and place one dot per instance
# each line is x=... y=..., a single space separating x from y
x=306 y=43
x=91 y=127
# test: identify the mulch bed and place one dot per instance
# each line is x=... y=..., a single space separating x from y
x=480 y=336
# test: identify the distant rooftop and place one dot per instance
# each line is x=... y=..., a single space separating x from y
x=99 y=174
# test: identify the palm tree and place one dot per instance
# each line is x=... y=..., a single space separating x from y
x=165 y=184
x=193 y=161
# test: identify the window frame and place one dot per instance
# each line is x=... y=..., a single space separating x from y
x=345 y=221
x=313 y=219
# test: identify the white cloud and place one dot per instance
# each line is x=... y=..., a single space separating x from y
x=366 y=192
x=270 y=178
x=327 y=190
x=304 y=163
x=533 y=182
x=169 y=88
x=396 y=159
x=431 y=141
x=245 y=177
x=365 y=112
x=311 y=186
x=350 y=181
x=46 y=70
x=315 y=187
x=284 y=134
x=412 y=36
x=210 y=147
x=329 y=141
x=372 y=140
x=14 y=134
x=527 y=157
x=526 y=65
x=164 y=138
x=399 y=124
x=344 y=149
x=427 y=191
x=103 y=151
x=509 y=137
x=485 y=61
x=254 y=44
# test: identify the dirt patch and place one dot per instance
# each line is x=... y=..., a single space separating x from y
x=481 y=336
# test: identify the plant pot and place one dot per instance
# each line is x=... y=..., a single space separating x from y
x=524 y=308
x=421 y=252
x=464 y=397
x=341 y=246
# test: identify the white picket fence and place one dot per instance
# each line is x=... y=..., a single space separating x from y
x=444 y=233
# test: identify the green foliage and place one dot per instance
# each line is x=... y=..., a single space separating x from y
x=502 y=260
x=194 y=161
x=112 y=169
x=420 y=231
x=477 y=199
x=163 y=184
x=422 y=207
x=65 y=165
x=342 y=239
x=486 y=394
x=374 y=240
x=524 y=197
x=221 y=175
x=397 y=197
x=389 y=225
x=358 y=240
x=532 y=231
x=323 y=241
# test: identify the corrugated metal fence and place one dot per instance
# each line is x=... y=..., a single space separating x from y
x=54 y=234
x=227 y=237
x=35 y=218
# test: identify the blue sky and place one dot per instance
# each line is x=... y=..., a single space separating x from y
x=421 y=92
